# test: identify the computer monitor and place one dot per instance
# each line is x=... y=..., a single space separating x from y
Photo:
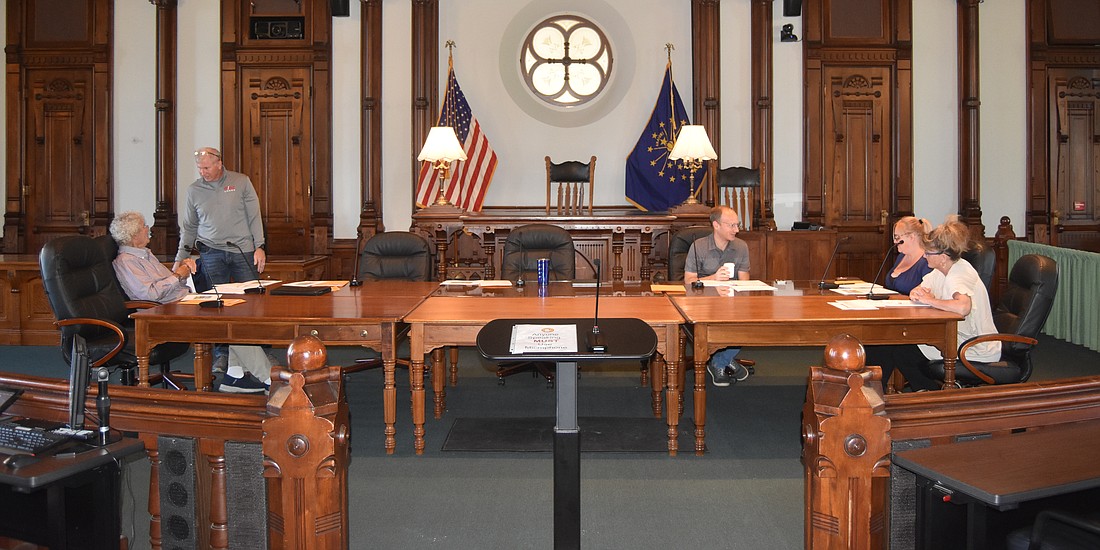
x=78 y=382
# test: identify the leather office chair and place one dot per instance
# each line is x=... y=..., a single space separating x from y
x=1019 y=317
x=984 y=259
x=678 y=245
x=567 y=181
x=739 y=189
x=394 y=255
x=522 y=250
x=1057 y=530
x=87 y=299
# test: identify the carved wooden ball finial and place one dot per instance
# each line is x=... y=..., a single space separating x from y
x=307 y=353
x=844 y=352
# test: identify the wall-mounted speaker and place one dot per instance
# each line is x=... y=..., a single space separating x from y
x=246 y=495
x=791 y=8
x=177 y=492
x=342 y=8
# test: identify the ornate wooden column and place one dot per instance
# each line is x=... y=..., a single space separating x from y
x=845 y=451
x=762 y=107
x=305 y=448
x=706 y=72
x=370 y=217
x=970 y=206
x=425 y=77
x=166 y=226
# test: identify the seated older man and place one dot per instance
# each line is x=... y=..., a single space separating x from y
x=144 y=278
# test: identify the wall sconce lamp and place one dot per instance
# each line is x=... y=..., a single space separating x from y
x=692 y=147
x=441 y=148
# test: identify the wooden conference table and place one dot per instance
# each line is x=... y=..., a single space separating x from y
x=798 y=317
x=452 y=316
x=368 y=315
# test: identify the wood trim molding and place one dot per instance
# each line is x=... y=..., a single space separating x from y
x=166 y=222
x=762 y=113
x=706 y=42
x=425 y=78
x=370 y=215
x=970 y=204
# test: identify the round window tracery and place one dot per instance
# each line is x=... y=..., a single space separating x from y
x=566 y=60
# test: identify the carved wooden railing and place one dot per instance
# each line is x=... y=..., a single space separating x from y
x=849 y=430
x=304 y=441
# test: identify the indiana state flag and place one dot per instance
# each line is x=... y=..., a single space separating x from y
x=654 y=183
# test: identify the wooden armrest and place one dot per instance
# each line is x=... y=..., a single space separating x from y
x=99 y=322
x=140 y=304
x=998 y=337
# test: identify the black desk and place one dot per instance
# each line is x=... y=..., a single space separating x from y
x=1001 y=473
x=626 y=339
x=66 y=501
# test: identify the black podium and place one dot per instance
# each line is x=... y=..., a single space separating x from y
x=625 y=339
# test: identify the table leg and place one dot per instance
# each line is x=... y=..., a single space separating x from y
x=657 y=379
x=671 y=410
x=141 y=350
x=203 y=367
x=439 y=382
x=389 y=388
x=416 y=383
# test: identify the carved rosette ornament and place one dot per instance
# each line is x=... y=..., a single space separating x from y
x=306 y=450
x=845 y=450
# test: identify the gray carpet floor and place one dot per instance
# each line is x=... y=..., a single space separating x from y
x=745 y=493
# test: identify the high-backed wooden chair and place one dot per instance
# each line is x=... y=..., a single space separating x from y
x=566 y=181
x=739 y=188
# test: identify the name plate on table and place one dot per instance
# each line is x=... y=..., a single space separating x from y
x=301 y=290
x=543 y=339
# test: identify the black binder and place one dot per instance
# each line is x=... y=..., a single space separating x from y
x=285 y=290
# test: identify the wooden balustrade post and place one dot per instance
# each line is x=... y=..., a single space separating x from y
x=1000 y=250
x=305 y=446
x=845 y=451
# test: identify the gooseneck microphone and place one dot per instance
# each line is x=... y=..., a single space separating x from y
x=595 y=338
x=103 y=406
x=822 y=284
x=213 y=303
x=259 y=288
x=871 y=294
x=358 y=254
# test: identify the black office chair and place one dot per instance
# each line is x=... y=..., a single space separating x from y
x=396 y=255
x=739 y=189
x=1019 y=317
x=984 y=259
x=566 y=181
x=522 y=250
x=1056 y=530
x=86 y=299
x=393 y=255
x=678 y=245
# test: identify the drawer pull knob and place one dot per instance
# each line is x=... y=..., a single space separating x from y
x=313 y=332
x=363 y=333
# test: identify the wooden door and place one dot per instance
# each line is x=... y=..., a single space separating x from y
x=276 y=153
x=1075 y=157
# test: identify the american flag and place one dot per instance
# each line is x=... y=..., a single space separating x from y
x=468 y=180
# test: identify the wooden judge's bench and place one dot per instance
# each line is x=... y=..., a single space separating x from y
x=632 y=245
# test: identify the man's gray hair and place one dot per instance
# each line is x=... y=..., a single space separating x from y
x=126 y=226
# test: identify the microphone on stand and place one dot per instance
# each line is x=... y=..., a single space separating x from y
x=103 y=406
x=596 y=343
x=871 y=295
x=213 y=303
x=358 y=254
x=259 y=288
x=822 y=284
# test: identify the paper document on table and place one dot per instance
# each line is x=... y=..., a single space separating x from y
x=667 y=288
x=239 y=288
x=855 y=305
x=859 y=289
x=335 y=285
x=195 y=299
x=900 y=303
x=544 y=339
x=751 y=285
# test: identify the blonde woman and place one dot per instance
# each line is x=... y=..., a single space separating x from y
x=910 y=266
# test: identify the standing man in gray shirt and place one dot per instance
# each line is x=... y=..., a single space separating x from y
x=221 y=208
x=708 y=258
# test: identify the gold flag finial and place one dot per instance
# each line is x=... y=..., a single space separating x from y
x=668 y=48
x=450 y=45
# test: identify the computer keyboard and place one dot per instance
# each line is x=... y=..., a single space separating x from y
x=28 y=440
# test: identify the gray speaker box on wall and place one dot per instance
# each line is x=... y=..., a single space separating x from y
x=341 y=8
x=792 y=8
x=177 y=492
x=246 y=495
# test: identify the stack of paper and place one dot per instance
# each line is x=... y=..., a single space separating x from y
x=859 y=289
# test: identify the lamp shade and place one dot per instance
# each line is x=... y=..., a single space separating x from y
x=692 y=144
x=442 y=144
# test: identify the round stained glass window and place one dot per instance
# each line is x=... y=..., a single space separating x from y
x=566 y=60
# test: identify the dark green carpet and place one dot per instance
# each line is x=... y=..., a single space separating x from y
x=516 y=435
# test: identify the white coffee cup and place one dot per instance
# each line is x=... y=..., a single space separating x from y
x=732 y=269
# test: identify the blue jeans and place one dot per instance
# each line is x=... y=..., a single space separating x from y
x=724 y=357
x=218 y=267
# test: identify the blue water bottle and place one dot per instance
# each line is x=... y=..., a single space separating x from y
x=544 y=271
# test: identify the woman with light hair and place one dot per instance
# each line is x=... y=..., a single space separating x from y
x=910 y=266
x=953 y=285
